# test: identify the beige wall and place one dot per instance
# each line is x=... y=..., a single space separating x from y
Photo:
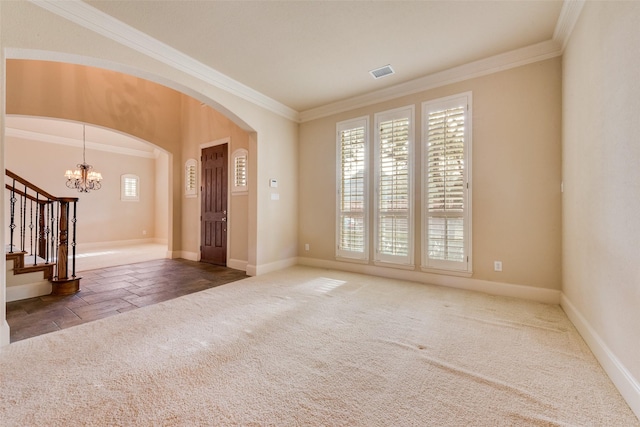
x=516 y=174
x=102 y=216
x=202 y=125
x=30 y=32
x=4 y=326
x=601 y=203
x=162 y=194
x=105 y=98
x=184 y=123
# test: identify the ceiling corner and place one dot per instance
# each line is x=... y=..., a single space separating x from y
x=569 y=15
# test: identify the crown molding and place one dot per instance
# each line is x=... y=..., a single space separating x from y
x=99 y=22
x=88 y=17
x=73 y=142
x=515 y=58
x=569 y=15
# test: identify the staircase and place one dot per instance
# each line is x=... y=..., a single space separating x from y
x=37 y=251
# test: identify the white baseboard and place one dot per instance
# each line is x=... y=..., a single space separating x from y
x=237 y=264
x=191 y=256
x=549 y=296
x=256 y=270
x=4 y=333
x=94 y=245
x=251 y=270
x=627 y=385
x=29 y=290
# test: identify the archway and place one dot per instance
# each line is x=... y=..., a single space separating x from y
x=174 y=121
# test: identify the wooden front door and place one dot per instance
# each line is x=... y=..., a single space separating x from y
x=213 y=220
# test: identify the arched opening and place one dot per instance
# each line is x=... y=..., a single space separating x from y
x=177 y=124
x=111 y=230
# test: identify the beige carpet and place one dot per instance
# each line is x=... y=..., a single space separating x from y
x=312 y=347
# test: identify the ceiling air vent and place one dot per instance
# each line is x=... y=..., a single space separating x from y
x=382 y=71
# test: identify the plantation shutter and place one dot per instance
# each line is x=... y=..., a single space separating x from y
x=446 y=184
x=129 y=187
x=393 y=198
x=352 y=194
x=240 y=171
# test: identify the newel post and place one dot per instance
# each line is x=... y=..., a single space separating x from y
x=63 y=285
x=63 y=247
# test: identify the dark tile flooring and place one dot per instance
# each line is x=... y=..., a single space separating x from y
x=114 y=290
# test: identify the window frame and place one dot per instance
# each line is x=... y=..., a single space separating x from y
x=344 y=254
x=191 y=178
x=123 y=187
x=399 y=261
x=235 y=188
x=428 y=264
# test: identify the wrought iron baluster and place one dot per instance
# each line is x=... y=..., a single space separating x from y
x=36 y=236
x=58 y=240
x=73 y=241
x=31 y=226
x=52 y=229
x=12 y=226
x=45 y=221
x=23 y=214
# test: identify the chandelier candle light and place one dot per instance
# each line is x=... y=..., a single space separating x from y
x=84 y=179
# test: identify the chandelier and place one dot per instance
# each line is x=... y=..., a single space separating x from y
x=84 y=178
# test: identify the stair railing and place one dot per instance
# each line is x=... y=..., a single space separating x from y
x=39 y=227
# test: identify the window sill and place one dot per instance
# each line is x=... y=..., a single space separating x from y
x=353 y=260
x=446 y=272
x=392 y=265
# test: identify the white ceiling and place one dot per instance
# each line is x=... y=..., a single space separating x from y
x=306 y=54
x=311 y=58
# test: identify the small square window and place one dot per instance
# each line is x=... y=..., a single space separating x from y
x=129 y=188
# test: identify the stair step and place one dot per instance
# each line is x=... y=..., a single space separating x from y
x=23 y=280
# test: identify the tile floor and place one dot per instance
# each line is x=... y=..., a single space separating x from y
x=113 y=290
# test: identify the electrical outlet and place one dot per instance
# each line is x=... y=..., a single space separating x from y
x=306 y=247
x=497 y=265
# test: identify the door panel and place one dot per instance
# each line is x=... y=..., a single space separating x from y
x=213 y=247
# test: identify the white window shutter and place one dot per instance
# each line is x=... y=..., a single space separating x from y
x=352 y=202
x=240 y=175
x=394 y=231
x=447 y=209
x=129 y=188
